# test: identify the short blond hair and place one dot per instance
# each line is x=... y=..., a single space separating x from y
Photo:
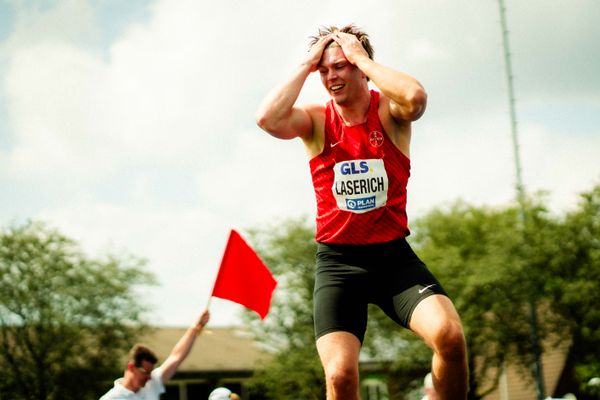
x=362 y=36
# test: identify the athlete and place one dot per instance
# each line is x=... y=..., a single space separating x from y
x=358 y=146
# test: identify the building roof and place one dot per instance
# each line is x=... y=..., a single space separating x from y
x=216 y=349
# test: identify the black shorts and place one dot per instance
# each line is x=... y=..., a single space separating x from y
x=349 y=277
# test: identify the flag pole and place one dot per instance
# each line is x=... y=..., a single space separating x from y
x=210 y=297
x=537 y=350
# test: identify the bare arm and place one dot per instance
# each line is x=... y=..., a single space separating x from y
x=183 y=347
x=407 y=97
x=278 y=114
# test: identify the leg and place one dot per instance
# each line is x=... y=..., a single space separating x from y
x=435 y=319
x=339 y=355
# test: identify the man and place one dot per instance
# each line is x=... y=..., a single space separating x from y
x=141 y=380
x=358 y=146
x=222 y=393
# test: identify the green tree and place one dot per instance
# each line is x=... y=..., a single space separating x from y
x=492 y=264
x=295 y=371
x=495 y=266
x=491 y=273
x=65 y=319
x=575 y=288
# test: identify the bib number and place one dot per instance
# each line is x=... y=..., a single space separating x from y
x=360 y=186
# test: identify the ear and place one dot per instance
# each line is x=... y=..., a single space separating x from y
x=130 y=366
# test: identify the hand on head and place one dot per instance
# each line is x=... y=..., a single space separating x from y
x=316 y=51
x=351 y=46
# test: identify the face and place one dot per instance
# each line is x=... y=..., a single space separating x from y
x=341 y=79
x=141 y=374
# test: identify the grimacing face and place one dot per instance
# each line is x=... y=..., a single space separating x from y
x=341 y=79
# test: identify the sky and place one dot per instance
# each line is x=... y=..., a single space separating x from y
x=129 y=125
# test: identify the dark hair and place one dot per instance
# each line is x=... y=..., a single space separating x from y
x=139 y=353
x=362 y=37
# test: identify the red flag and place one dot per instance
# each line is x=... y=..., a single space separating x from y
x=243 y=278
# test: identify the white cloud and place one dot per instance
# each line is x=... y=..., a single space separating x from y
x=52 y=110
x=150 y=144
x=567 y=164
x=470 y=161
x=64 y=21
x=183 y=248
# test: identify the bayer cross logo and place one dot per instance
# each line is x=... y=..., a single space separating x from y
x=376 y=138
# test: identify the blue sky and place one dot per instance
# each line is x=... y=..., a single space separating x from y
x=129 y=125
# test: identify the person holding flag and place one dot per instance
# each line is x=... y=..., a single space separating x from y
x=141 y=380
x=358 y=145
x=242 y=278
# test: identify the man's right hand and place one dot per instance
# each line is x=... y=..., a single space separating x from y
x=202 y=320
x=316 y=52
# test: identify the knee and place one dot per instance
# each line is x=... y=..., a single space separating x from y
x=342 y=377
x=449 y=341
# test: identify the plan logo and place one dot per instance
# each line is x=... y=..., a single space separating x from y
x=365 y=203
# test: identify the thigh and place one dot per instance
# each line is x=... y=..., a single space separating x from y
x=339 y=351
x=402 y=283
x=434 y=317
x=340 y=303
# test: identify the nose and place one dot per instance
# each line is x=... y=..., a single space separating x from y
x=331 y=74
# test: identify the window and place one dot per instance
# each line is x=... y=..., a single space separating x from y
x=374 y=389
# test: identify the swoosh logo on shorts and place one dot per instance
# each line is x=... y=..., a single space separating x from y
x=425 y=288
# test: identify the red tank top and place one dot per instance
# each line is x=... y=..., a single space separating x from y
x=360 y=182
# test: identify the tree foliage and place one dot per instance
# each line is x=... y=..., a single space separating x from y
x=479 y=255
x=295 y=372
x=65 y=319
x=575 y=287
x=495 y=264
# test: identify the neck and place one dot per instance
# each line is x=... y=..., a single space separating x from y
x=354 y=112
x=129 y=384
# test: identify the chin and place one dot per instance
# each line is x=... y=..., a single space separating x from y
x=339 y=98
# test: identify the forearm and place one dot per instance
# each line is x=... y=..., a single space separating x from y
x=404 y=90
x=182 y=349
x=186 y=342
x=275 y=113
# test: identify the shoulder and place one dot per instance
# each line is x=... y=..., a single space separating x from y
x=117 y=393
x=156 y=374
x=156 y=384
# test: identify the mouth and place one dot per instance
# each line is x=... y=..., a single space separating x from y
x=336 y=88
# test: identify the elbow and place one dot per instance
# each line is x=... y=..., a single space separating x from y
x=261 y=119
x=417 y=101
x=265 y=121
x=271 y=125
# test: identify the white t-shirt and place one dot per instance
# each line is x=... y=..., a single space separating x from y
x=151 y=390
